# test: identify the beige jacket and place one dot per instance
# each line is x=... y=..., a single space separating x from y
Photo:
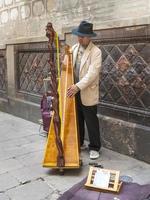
x=89 y=73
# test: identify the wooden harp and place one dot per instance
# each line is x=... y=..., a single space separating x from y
x=68 y=126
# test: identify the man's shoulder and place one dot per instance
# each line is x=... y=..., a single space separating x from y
x=95 y=48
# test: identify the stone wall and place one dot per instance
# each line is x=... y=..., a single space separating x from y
x=22 y=70
x=23 y=19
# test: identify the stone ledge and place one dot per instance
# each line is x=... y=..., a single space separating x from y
x=2 y=46
x=28 y=40
x=21 y=108
x=126 y=138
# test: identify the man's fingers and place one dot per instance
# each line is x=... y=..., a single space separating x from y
x=72 y=91
x=69 y=93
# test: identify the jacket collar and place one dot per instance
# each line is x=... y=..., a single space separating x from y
x=86 y=54
x=75 y=52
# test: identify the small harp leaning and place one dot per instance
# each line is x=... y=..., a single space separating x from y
x=68 y=124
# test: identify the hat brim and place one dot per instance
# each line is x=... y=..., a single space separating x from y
x=76 y=32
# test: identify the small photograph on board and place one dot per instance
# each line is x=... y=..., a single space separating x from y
x=103 y=179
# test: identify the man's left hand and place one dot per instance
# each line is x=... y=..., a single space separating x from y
x=72 y=90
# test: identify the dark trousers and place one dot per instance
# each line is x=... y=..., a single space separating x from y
x=88 y=114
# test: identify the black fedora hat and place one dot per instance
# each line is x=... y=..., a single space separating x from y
x=84 y=29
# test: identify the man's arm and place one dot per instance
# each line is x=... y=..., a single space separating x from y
x=93 y=72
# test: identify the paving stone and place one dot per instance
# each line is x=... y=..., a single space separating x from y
x=54 y=196
x=10 y=144
x=36 y=190
x=31 y=159
x=30 y=173
x=140 y=174
x=3 y=196
x=9 y=165
x=63 y=182
x=7 y=181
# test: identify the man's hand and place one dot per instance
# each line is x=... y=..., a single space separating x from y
x=72 y=90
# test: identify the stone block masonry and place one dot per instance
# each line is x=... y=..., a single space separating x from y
x=27 y=18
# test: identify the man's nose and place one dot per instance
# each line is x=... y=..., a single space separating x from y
x=80 y=38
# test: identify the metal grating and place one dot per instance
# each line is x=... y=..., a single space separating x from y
x=3 y=82
x=126 y=75
x=33 y=67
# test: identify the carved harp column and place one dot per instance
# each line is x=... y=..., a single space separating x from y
x=54 y=81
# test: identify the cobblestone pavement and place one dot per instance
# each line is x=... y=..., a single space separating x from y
x=22 y=176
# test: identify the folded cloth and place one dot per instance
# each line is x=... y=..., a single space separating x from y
x=129 y=191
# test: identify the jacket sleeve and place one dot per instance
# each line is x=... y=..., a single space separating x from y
x=93 y=70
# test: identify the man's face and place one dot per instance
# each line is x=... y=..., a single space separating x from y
x=84 y=41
